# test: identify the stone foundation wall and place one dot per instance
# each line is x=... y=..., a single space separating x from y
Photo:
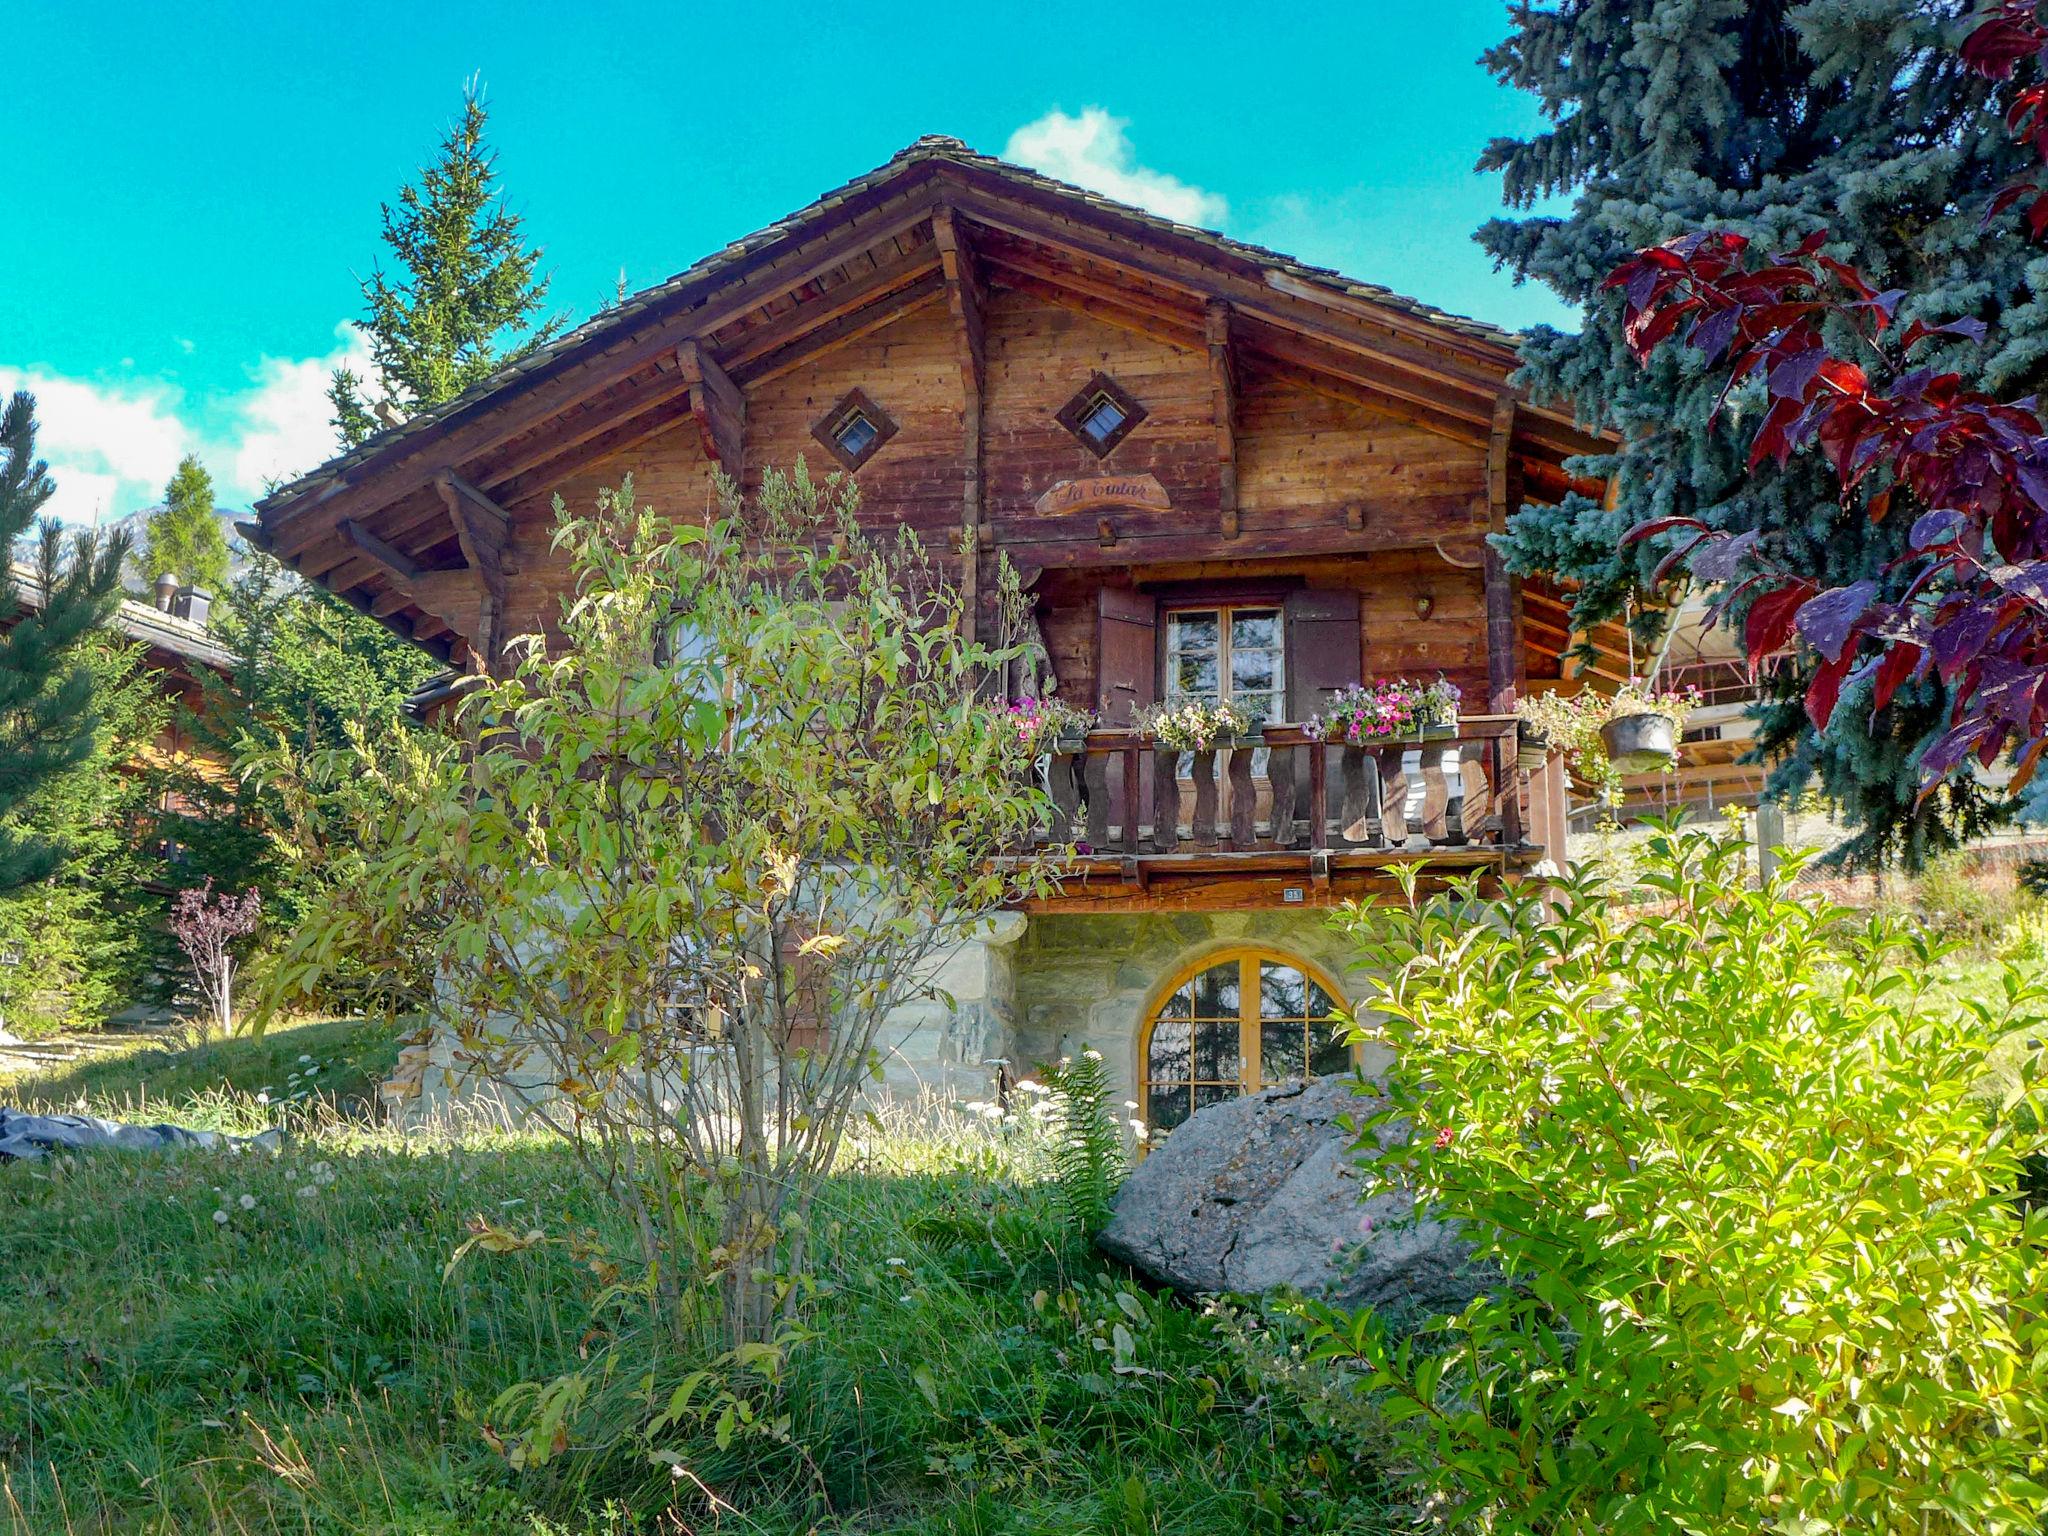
x=1086 y=979
x=1030 y=991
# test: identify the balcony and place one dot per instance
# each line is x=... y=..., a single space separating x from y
x=1279 y=819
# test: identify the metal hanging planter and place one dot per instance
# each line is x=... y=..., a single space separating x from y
x=1532 y=748
x=1642 y=743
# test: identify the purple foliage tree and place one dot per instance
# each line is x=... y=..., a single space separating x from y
x=1903 y=438
x=206 y=928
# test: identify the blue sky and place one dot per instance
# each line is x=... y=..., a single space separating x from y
x=193 y=190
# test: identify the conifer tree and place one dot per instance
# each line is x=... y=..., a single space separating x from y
x=48 y=715
x=183 y=536
x=465 y=280
x=1774 y=119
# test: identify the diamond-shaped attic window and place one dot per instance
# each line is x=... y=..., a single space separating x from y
x=1101 y=415
x=854 y=430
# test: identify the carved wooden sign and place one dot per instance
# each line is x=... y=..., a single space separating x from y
x=1097 y=491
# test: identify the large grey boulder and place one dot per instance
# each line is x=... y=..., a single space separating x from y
x=1263 y=1191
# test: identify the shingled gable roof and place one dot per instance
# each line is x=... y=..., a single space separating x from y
x=697 y=284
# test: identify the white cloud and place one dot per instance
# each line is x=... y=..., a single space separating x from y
x=1092 y=150
x=111 y=446
x=281 y=426
x=105 y=443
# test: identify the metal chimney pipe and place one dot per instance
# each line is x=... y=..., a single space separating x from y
x=166 y=591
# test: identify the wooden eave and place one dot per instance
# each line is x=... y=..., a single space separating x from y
x=376 y=527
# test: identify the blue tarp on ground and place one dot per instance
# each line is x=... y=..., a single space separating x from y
x=31 y=1136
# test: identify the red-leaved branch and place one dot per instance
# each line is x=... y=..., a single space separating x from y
x=1973 y=470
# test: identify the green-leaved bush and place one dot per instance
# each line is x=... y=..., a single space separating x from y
x=1764 y=1268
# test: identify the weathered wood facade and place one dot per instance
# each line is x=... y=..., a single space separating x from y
x=1265 y=436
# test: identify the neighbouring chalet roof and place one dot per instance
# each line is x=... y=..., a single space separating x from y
x=379 y=524
x=933 y=149
x=167 y=633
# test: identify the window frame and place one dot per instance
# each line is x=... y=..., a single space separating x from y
x=1248 y=957
x=1077 y=410
x=826 y=428
x=1224 y=608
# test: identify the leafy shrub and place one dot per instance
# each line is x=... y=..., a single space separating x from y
x=1087 y=1141
x=1765 y=1265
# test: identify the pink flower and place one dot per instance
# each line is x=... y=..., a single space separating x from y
x=1444 y=1137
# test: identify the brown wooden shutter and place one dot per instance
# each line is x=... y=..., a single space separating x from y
x=1325 y=650
x=1126 y=653
x=1324 y=647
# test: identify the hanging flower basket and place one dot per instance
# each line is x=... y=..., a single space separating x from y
x=1532 y=747
x=1640 y=743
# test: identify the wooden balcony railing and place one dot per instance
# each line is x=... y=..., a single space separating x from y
x=1120 y=793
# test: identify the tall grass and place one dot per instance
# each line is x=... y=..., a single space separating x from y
x=222 y=1343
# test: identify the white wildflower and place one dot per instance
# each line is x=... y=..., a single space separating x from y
x=247 y=1202
x=220 y=1218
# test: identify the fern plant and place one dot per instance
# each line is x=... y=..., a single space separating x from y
x=1088 y=1144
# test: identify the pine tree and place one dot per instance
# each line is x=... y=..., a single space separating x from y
x=48 y=712
x=1773 y=118
x=466 y=279
x=183 y=536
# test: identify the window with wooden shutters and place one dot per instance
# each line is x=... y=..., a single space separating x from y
x=1230 y=651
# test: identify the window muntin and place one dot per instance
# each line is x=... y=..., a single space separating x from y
x=1238 y=1023
x=1228 y=652
x=855 y=434
x=1100 y=417
x=1101 y=414
x=854 y=430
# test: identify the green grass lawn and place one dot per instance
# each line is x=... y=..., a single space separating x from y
x=222 y=1343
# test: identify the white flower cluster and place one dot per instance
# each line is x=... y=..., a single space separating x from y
x=1197 y=725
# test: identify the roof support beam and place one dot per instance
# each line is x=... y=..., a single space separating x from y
x=1504 y=658
x=485 y=533
x=1223 y=395
x=718 y=406
x=965 y=299
x=396 y=561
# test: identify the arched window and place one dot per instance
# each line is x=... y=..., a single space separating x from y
x=1232 y=1024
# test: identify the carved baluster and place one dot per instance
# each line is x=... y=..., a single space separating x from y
x=1280 y=774
x=1063 y=785
x=1165 y=799
x=1318 y=796
x=1394 y=826
x=1243 y=798
x=1132 y=760
x=1095 y=782
x=1414 y=809
x=1482 y=815
x=1447 y=825
x=1205 y=799
x=1508 y=784
x=1354 y=808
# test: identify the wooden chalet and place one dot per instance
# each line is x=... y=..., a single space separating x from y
x=1219 y=470
x=178 y=652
